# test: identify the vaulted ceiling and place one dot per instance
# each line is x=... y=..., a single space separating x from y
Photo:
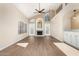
x=28 y=8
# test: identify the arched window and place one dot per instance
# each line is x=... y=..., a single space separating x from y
x=39 y=24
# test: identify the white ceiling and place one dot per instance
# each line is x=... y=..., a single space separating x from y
x=28 y=8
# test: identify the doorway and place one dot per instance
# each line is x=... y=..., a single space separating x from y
x=31 y=29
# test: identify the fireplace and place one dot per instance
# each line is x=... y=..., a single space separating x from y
x=39 y=32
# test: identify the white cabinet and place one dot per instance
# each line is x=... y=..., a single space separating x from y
x=67 y=37
x=72 y=38
x=77 y=39
x=77 y=45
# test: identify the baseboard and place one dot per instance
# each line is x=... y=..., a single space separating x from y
x=57 y=39
x=11 y=43
x=7 y=45
x=71 y=45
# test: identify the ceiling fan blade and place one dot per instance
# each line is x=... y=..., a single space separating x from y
x=42 y=10
x=37 y=10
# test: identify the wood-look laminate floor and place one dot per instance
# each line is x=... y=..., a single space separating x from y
x=38 y=46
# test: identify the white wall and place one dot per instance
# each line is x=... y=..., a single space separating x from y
x=9 y=18
x=62 y=21
x=57 y=27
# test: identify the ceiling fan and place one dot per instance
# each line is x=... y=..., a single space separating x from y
x=39 y=10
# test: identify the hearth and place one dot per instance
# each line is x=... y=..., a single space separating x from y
x=39 y=32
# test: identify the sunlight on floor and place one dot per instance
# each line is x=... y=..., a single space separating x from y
x=68 y=50
x=22 y=44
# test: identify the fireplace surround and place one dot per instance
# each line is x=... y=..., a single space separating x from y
x=39 y=32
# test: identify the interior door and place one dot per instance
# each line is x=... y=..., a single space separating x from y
x=31 y=29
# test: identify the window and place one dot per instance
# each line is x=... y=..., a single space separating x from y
x=46 y=17
x=22 y=27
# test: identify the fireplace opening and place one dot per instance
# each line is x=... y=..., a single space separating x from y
x=39 y=32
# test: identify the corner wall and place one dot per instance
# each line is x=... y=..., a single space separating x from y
x=9 y=18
